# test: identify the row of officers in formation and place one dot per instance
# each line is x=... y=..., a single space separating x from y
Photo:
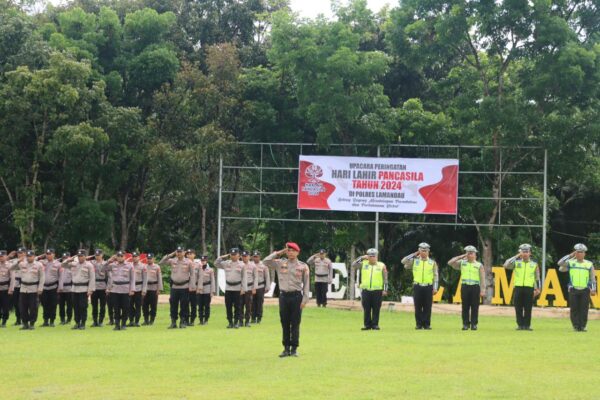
x=131 y=287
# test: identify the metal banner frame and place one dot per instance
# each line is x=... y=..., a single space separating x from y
x=377 y=220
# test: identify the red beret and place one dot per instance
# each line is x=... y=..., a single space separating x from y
x=292 y=245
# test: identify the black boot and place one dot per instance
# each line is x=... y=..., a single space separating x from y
x=285 y=352
x=3 y=324
x=17 y=322
x=182 y=324
x=76 y=326
x=293 y=352
x=51 y=325
x=82 y=326
x=247 y=324
x=137 y=323
x=151 y=321
x=117 y=326
x=173 y=324
x=95 y=323
x=230 y=325
x=45 y=324
x=24 y=327
x=473 y=327
x=63 y=322
x=145 y=323
x=111 y=321
x=465 y=327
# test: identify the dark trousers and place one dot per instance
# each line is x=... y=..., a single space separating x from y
x=193 y=307
x=371 y=303
x=321 y=292
x=470 y=304
x=423 y=299
x=80 y=305
x=135 y=307
x=179 y=300
x=246 y=305
x=290 y=315
x=98 y=305
x=110 y=307
x=14 y=303
x=150 y=304
x=204 y=306
x=49 y=303
x=4 y=306
x=579 y=302
x=120 y=305
x=257 y=304
x=28 y=303
x=232 y=304
x=523 y=302
x=65 y=306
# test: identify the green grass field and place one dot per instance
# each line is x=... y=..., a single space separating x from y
x=337 y=360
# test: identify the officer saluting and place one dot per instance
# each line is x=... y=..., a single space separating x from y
x=250 y=289
x=32 y=285
x=425 y=283
x=294 y=284
x=472 y=277
x=15 y=283
x=49 y=298
x=193 y=303
x=122 y=287
x=527 y=285
x=65 y=296
x=373 y=285
x=582 y=281
x=4 y=284
x=323 y=275
x=264 y=283
x=206 y=288
x=235 y=282
x=153 y=288
x=182 y=283
x=141 y=281
x=84 y=284
x=99 y=295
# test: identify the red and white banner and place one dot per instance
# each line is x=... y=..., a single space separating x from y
x=394 y=185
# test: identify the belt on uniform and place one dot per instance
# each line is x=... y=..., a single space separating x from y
x=5 y=282
x=139 y=283
x=17 y=279
x=47 y=284
x=180 y=283
x=233 y=283
x=152 y=283
x=207 y=283
x=29 y=283
x=289 y=293
x=81 y=284
x=100 y=280
x=322 y=275
x=262 y=283
x=67 y=283
x=120 y=283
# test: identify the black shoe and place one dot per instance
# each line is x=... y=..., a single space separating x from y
x=258 y=320
x=473 y=327
x=519 y=328
x=117 y=328
x=284 y=353
x=137 y=325
x=24 y=327
x=418 y=327
x=45 y=324
x=151 y=321
x=293 y=352
x=3 y=324
x=123 y=327
x=582 y=330
x=145 y=323
x=32 y=326
x=17 y=322
x=236 y=325
x=365 y=328
x=100 y=325
x=63 y=322
x=427 y=328
x=182 y=325
x=111 y=322
x=173 y=324
x=527 y=328
x=376 y=328
x=230 y=325
x=465 y=328
x=131 y=325
x=82 y=327
x=247 y=324
x=74 y=327
x=94 y=325
x=51 y=324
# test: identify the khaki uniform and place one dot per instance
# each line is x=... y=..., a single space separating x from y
x=84 y=282
x=49 y=298
x=206 y=288
x=323 y=277
x=154 y=285
x=264 y=284
x=235 y=282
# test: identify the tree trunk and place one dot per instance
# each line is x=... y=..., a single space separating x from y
x=203 y=230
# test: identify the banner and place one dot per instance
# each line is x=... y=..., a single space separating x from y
x=394 y=185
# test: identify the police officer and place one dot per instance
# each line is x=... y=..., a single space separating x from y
x=65 y=294
x=582 y=281
x=99 y=295
x=235 y=282
x=154 y=285
x=527 y=285
x=264 y=283
x=5 y=274
x=425 y=283
x=182 y=283
x=373 y=285
x=294 y=284
x=15 y=286
x=323 y=275
x=250 y=288
x=49 y=298
x=84 y=284
x=193 y=303
x=32 y=285
x=141 y=281
x=472 y=275
x=121 y=286
x=206 y=288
